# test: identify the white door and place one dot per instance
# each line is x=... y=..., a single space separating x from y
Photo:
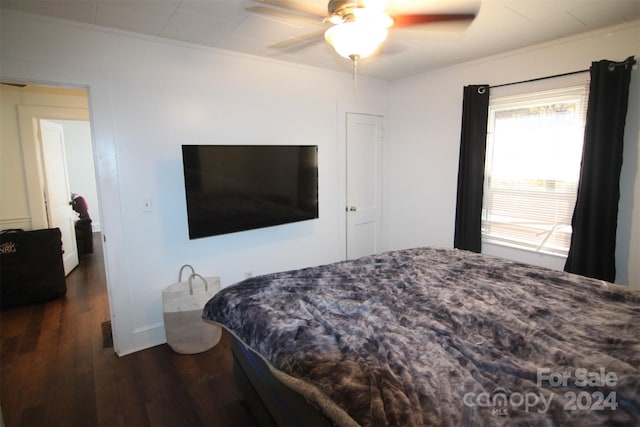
x=57 y=191
x=364 y=184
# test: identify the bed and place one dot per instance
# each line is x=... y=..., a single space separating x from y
x=434 y=336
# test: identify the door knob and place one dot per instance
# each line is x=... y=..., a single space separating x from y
x=352 y=208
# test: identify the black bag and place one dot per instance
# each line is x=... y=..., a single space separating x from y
x=31 y=267
x=84 y=236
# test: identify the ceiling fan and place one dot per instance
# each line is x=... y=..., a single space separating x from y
x=358 y=27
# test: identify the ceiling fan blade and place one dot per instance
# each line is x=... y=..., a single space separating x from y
x=13 y=84
x=297 y=6
x=282 y=15
x=295 y=43
x=406 y=20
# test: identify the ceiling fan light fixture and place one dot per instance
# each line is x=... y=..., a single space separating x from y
x=356 y=38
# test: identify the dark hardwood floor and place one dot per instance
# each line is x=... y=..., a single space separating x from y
x=57 y=368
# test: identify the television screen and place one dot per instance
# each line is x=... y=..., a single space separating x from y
x=233 y=188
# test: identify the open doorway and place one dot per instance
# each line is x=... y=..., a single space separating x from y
x=25 y=108
x=56 y=155
x=83 y=189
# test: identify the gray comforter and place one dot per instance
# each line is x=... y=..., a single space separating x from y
x=446 y=337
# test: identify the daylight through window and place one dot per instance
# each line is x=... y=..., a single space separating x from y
x=534 y=149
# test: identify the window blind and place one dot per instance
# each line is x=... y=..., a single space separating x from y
x=534 y=149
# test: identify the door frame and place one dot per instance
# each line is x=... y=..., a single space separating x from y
x=97 y=83
x=358 y=219
x=341 y=154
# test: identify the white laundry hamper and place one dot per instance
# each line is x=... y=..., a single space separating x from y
x=182 y=303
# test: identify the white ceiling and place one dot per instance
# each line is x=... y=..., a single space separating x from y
x=500 y=25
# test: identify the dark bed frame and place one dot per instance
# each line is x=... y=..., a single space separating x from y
x=271 y=403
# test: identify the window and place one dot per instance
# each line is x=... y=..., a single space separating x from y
x=534 y=149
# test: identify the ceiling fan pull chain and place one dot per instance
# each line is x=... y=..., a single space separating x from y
x=354 y=58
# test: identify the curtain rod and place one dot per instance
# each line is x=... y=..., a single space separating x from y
x=629 y=61
x=540 y=78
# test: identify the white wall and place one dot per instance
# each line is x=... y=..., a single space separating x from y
x=14 y=204
x=147 y=97
x=424 y=132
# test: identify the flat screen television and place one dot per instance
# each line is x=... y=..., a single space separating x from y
x=232 y=188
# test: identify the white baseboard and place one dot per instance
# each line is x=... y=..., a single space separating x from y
x=141 y=339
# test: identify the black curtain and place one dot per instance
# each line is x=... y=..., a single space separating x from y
x=473 y=142
x=594 y=222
